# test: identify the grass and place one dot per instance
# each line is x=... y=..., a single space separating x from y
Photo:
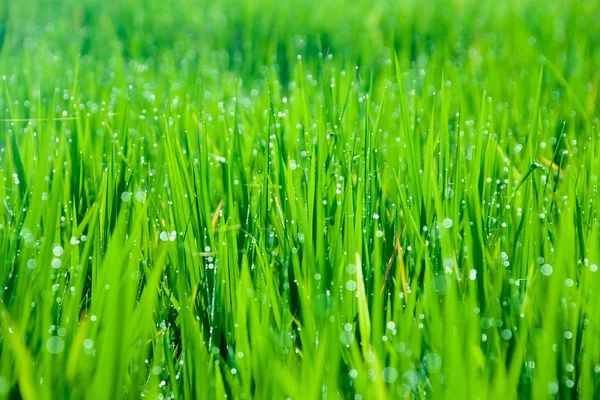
x=301 y=199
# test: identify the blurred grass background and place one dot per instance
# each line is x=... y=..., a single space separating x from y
x=302 y=199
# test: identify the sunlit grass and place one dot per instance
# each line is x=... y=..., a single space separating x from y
x=302 y=200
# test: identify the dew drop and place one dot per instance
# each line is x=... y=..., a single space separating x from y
x=447 y=223
x=55 y=345
x=58 y=250
x=432 y=362
x=389 y=375
x=140 y=196
x=546 y=269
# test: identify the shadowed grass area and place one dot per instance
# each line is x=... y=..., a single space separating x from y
x=279 y=199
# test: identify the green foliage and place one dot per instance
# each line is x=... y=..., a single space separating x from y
x=299 y=199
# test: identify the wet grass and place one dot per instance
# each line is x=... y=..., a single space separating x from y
x=308 y=200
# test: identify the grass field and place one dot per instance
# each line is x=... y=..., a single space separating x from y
x=299 y=199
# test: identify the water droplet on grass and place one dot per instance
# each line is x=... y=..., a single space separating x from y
x=140 y=196
x=441 y=283
x=58 y=250
x=389 y=375
x=404 y=391
x=447 y=223
x=411 y=379
x=28 y=237
x=570 y=368
x=55 y=345
x=506 y=334
x=569 y=282
x=351 y=285
x=432 y=362
x=31 y=263
x=56 y=263
x=546 y=269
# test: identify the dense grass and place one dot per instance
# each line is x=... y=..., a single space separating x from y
x=299 y=199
